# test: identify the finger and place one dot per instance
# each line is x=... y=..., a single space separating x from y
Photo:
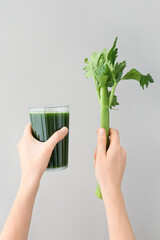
x=114 y=137
x=56 y=137
x=28 y=130
x=95 y=153
x=101 y=142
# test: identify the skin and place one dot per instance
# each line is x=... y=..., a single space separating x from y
x=34 y=158
x=109 y=169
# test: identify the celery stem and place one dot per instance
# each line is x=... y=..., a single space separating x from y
x=104 y=111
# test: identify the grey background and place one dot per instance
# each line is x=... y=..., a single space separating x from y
x=42 y=48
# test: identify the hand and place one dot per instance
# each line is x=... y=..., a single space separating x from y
x=109 y=165
x=35 y=155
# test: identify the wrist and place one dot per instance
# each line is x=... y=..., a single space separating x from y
x=30 y=183
x=110 y=191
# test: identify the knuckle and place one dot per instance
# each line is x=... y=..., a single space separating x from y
x=100 y=155
x=124 y=152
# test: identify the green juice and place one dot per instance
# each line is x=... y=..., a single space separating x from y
x=43 y=126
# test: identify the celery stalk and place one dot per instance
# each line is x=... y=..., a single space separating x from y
x=107 y=74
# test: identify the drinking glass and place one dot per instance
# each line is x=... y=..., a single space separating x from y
x=45 y=121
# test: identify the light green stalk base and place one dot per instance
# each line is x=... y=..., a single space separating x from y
x=104 y=109
x=98 y=192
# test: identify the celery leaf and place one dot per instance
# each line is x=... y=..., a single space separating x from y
x=118 y=70
x=112 y=55
x=114 y=101
x=144 y=80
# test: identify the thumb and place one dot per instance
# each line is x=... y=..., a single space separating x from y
x=56 y=137
x=101 y=142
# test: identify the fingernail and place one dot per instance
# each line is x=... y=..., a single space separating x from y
x=101 y=131
x=65 y=130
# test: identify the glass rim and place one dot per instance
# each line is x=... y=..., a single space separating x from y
x=53 y=109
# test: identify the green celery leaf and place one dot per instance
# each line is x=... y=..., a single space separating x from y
x=114 y=101
x=86 y=60
x=94 y=59
x=101 y=59
x=118 y=70
x=112 y=55
x=144 y=80
x=97 y=67
x=101 y=66
x=111 y=78
x=88 y=68
x=102 y=74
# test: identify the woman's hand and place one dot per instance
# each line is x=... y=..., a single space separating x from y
x=110 y=164
x=109 y=169
x=35 y=155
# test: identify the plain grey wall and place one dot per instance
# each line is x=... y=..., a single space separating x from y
x=42 y=48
